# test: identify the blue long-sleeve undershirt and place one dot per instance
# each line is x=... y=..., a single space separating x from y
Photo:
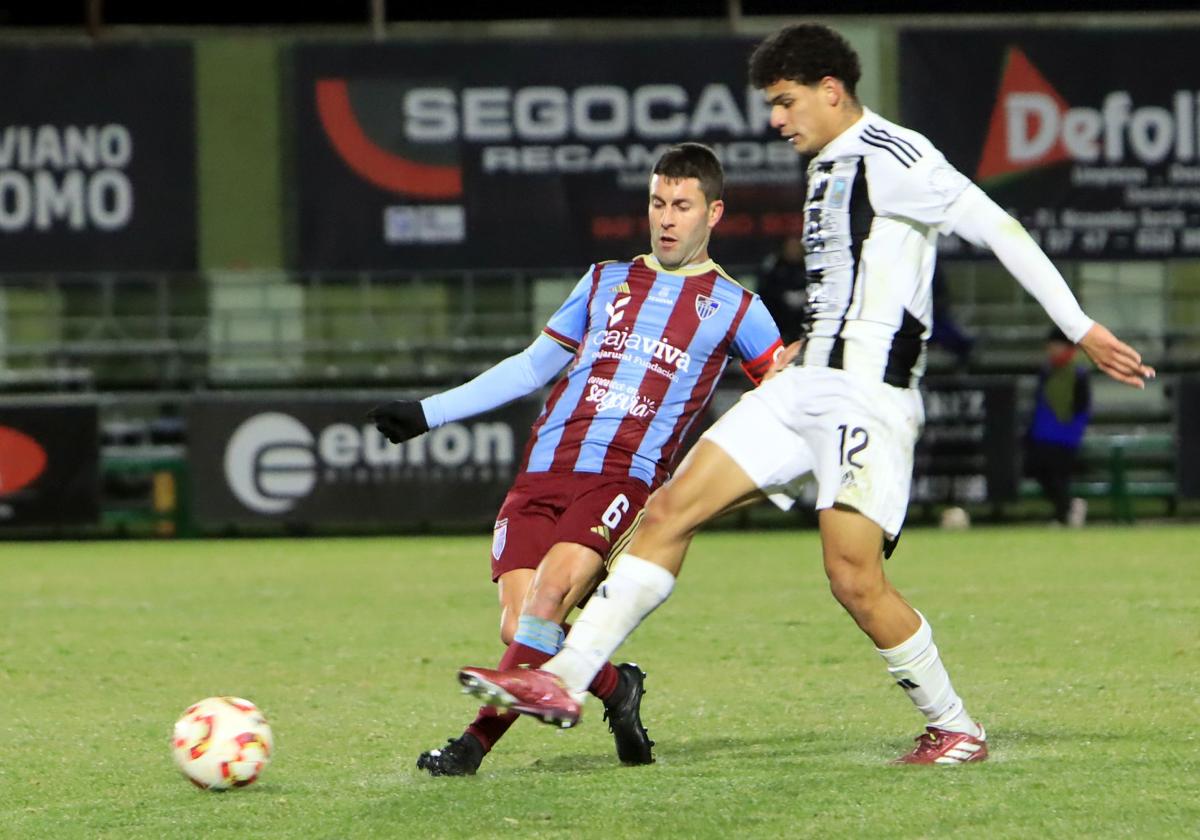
x=514 y=377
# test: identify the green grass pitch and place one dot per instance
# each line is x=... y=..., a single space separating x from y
x=1080 y=650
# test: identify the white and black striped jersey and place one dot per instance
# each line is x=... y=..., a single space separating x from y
x=876 y=198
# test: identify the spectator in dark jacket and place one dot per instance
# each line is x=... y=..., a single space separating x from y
x=783 y=287
x=1062 y=409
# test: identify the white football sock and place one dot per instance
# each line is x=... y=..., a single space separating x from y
x=633 y=591
x=918 y=669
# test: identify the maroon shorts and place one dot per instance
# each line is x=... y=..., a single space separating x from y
x=545 y=508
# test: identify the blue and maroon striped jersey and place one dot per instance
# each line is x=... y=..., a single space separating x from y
x=650 y=345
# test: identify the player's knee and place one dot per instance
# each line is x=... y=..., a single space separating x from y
x=855 y=586
x=666 y=514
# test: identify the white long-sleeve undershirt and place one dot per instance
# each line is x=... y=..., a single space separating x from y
x=982 y=222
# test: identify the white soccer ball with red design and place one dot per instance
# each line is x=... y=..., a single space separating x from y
x=222 y=742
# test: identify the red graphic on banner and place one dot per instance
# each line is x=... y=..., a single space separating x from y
x=377 y=165
x=22 y=460
x=1020 y=78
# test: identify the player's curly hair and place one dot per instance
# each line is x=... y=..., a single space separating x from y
x=805 y=53
x=693 y=160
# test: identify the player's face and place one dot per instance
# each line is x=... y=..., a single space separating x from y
x=680 y=221
x=807 y=116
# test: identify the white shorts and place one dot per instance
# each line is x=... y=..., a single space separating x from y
x=855 y=436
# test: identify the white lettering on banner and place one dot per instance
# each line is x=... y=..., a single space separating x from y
x=1035 y=123
x=671 y=99
x=589 y=113
x=634 y=158
x=273 y=460
x=71 y=176
x=430 y=115
x=716 y=110
x=485 y=114
x=600 y=112
x=540 y=113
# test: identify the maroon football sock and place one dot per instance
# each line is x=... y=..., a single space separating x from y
x=491 y=724
x=605 y=682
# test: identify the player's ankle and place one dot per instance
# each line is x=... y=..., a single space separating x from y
x=961 y=722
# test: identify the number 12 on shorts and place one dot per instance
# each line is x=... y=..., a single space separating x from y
x=857 y=439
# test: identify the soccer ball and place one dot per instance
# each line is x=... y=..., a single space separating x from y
x=222 y=742
x=955 y=519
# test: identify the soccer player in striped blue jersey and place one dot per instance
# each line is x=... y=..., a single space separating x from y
x=878 y=195
x=644 y=343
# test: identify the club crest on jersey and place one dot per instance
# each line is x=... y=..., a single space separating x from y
x=838 y=192
x=499 y=538
x=706 y=307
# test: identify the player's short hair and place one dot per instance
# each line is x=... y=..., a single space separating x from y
x=805 y=53
x=693 y=160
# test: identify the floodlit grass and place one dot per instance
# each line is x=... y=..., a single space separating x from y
x=773 y=716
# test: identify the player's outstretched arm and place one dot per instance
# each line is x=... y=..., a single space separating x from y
x=399 y=420
x=1114 y=357
x=502 y=383
x=981 y=221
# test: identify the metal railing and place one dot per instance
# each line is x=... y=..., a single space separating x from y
x=230 y=329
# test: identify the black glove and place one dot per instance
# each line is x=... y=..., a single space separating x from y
x=399 y=420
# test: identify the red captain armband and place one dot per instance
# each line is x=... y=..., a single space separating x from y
x=758 y=367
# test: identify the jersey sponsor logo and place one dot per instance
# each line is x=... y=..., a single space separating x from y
x=22 y=460
x=602 y=531
x=607 y=395
x=622 y=343
x=1032 y=126
x=820 y=301
x=825 y=210
x=706 y=307
x=823 y=248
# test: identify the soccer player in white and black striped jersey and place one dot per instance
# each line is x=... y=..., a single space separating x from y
x=850 y=413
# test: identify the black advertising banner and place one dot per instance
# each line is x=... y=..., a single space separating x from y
x=319 y=463
x=525 y=154
x=49 y=465
x=1069 y=130
x=968 y=451
x=97 y=157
